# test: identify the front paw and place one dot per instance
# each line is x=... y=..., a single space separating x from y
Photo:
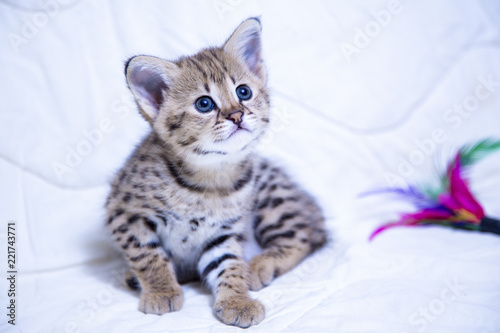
x=262 y=272
x=160 y=303
x=239 y=311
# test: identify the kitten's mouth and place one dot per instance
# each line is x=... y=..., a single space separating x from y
x=237 y=130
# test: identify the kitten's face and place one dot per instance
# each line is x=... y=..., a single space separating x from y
x=214 y=106
x=209 y=106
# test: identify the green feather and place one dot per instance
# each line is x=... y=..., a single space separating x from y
x=469 y=154
x=433 y=192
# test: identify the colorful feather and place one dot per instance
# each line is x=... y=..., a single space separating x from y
x=451 y=203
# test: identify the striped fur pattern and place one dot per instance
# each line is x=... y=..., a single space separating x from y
x=194 y=190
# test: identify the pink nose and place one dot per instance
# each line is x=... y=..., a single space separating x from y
x=236 y=117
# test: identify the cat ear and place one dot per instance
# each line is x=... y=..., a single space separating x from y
x=245 y=44
x=149 y=78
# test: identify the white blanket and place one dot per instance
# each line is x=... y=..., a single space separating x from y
x=365 y=95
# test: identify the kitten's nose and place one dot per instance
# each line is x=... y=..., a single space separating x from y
x=236 y=117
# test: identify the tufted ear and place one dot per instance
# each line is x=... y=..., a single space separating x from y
x=149 y=79
x=245 y=44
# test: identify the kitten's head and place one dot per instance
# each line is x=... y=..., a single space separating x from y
x=210 y=106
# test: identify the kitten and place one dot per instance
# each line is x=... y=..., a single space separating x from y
x=193 y=190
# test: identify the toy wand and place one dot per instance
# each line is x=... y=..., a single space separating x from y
x=451 y=203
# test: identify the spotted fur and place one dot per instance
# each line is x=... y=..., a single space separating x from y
x=194 y=190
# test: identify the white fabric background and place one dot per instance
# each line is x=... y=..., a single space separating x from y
x=342 y=125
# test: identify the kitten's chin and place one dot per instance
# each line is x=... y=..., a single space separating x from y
x=218 y=161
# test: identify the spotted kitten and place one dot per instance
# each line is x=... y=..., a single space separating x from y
x=193 y=191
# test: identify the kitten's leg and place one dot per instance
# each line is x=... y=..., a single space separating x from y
x=150 y=264
x=288 y=225
x=222 y=268
x=131 y=281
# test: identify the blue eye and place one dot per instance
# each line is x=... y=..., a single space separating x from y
x=244 y=93
x=204 y=104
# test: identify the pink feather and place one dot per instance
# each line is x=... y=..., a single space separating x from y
x=460 y=192
x=413 y=219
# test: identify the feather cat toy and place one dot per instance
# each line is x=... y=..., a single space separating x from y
x=451 y=203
